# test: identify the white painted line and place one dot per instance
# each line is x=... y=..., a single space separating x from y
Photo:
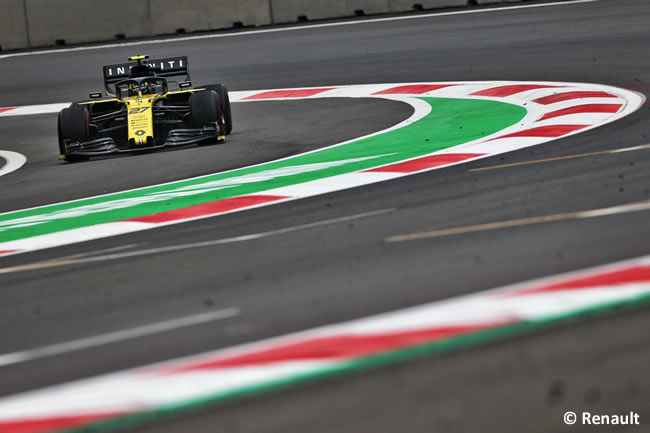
x=616 y=210
x=102 y=251
x=332 y=184
x=322 y=223
x=115 y=337
x=14 y=161
x=501 y=145
x=576 y=119
x=633 y=148
x=548 y=108
x=71 y=260
x=592 y=213
x=77 y=235
x=295 y=28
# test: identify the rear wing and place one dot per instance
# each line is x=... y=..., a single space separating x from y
x=169 y=67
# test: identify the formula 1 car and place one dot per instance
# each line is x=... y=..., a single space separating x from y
x=141 y=112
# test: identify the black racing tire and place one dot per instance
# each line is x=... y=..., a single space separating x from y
x=224 y=101
x=58 y=131
x=204 y=108
x=73 y=124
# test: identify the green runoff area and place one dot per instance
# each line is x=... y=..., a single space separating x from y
x=451 y=122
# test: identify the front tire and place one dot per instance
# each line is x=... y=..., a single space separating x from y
x=73 y=124
x=224 y=102
x=204 y=108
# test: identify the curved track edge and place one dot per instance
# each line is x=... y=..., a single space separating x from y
x=553 y=110
x=133 y=396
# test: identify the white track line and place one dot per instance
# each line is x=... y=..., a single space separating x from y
x=593 y=213
x=115 y=337
x=102 y=251
x=70 y=260
x=296 y=28
x=14 y=160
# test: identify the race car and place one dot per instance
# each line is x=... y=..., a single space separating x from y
x=140 y=111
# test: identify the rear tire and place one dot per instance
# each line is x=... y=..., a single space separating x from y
x=73 y=125
x=224 y=102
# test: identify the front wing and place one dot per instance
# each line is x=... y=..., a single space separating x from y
x=176 y=137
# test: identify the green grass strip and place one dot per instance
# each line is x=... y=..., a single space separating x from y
x=451 y=122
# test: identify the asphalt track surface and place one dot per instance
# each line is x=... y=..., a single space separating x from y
x=342 y=271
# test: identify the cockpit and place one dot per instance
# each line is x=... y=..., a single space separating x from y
x=141 y=86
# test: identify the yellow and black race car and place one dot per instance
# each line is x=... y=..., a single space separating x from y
x=140 y=112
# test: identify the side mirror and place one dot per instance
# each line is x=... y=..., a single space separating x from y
x=185 y=84
x=95 y=95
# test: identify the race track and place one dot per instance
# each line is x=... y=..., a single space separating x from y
x=330 y=258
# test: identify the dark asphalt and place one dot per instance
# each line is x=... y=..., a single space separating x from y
x=342 y=271
x=262 y=134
